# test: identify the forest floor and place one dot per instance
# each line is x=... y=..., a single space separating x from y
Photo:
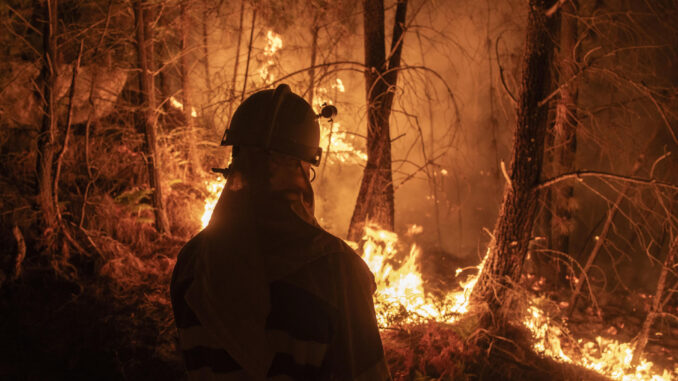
x=112 y=319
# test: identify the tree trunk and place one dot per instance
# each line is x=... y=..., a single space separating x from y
x=513 y=230
x=207 y=112
x=149 y=116
x=249 y=54
x=565 y=130
x=47 y=140
x=205 y=52
x=237 y=59
x=314 y=52
x=186 y=64
x=375 y=201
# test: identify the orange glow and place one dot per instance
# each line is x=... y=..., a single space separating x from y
x=214 y=189
x=400 y=296
x=337 y=144
x=340 y=148
x=605 y=356
x=273 y=44
x=401 y=289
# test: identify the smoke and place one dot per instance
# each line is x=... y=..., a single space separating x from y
x=451 y=119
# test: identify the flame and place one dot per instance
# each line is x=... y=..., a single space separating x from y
x=414 y=229
x=400 y=293
x=400 y=297
x=335 y=143
x=176 y=104
x=273 y=44
x=339 y=85
x=604 y=355
x=214 y=189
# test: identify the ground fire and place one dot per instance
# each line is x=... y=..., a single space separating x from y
x=504 y=172
x=401 y=298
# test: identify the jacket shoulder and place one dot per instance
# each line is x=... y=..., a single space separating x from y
x=186 y=260
x=342 y=256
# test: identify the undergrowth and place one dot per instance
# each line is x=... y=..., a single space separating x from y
x=102 y=310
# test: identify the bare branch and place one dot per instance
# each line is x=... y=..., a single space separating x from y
x=554 y=8
x=21 y=251
x=419 y=169
x=501 y=71
x=506 y=175
x=579 y=175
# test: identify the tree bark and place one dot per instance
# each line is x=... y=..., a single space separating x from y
x=513 y=230
x=249 y=54
x=237 y=59
x=565 y=130
x=207 y=112
x=47 y=140
x=314 y=52
x=144 y=34
x=206 y=55
x=375 y=201
x=186 y=64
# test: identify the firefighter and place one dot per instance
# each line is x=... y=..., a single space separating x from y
x=263 y=292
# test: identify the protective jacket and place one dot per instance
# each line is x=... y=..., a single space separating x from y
x=264 y=293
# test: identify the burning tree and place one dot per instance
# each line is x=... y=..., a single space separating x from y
x=513 y=231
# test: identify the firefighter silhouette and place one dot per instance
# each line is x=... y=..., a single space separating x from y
x=263 y=292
